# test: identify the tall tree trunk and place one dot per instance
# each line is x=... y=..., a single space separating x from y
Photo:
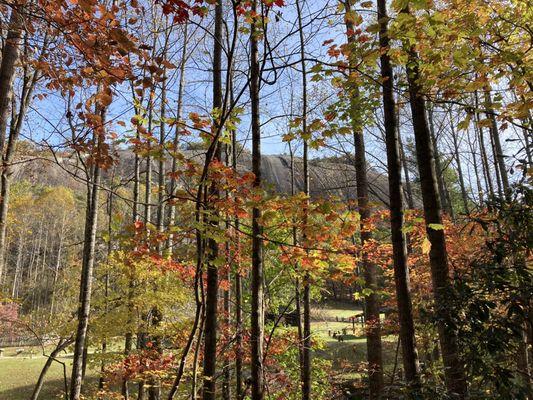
x=210 y=330
x=306 y=345
x=128 y=343
x=257 y=316
x=238 y=286
x=196 y=325
x=297 y=291
x=161 y=181
x=454 y=369
x=399 y=248
x=151 y=316
x=177 y=132
x=370 y=273
x=101 y=381
x=84 y=307
x=226 y=385
x=10 y=56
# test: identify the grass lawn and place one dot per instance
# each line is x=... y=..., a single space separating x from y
x=352 y=350
x=18 y=374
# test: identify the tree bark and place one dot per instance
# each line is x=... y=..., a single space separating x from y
x=84 y=307
x=161 y=181
x=306 y=345
x=498 y=151
x=483 y=151
x=175 y=143
x=238 y=287
x=442 y=288
x=211 y=314
x=399 y=248
x=257 y=316
x=63 y=344
x=370 y=273
x=10 y=56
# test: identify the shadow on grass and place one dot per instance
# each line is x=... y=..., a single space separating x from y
x=52 y=389
x=353 y=351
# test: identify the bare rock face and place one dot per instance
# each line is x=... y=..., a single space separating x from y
x=328 y=178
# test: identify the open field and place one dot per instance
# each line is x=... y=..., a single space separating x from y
x=18 y=374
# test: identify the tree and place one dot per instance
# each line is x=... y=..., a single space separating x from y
x=89 y=244
x=370 y=273
x=257 y=316
x=454 y=370
x=210 y=329
x=401 y=270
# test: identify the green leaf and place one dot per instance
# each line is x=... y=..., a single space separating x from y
x=436 y=227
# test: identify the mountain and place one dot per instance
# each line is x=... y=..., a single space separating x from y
x=328 y=177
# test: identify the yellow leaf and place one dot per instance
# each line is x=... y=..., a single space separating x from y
x=426 y=246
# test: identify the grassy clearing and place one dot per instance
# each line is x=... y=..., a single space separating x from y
x=352 y=350
x=18 y=374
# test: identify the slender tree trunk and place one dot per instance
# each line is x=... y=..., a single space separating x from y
x=175 y=143
x=17 y=267
x=306 y=348
x=86 y=282
x=128 y=343
x=161 y=162
x=297 y=291
x=443 y=191
x=101 y=381
x=192 y=335
x=482 y=150
x=227 y=359
x=238 y=287
x=472 y=144
x=148 y=163
x=496 y=165
x=57 y=266
x=63 y=344
x=211 y=314
x=257 y=316
x=408 y=188
x=399 y=248
x=464 y=195
x=454 y=369
x=370 y=273
x=151 y=316
x=498 y=151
